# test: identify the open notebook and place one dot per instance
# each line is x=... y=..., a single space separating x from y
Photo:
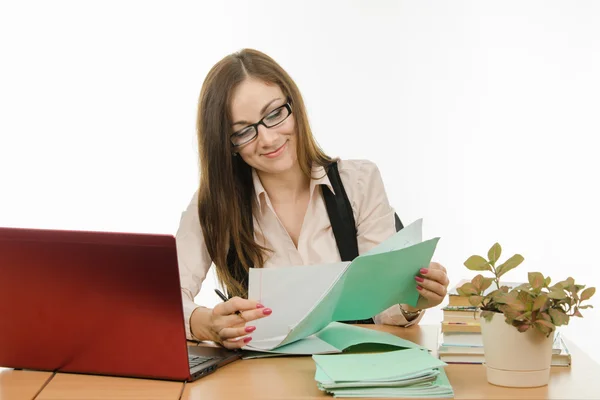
x=337 y=338
x=306 y=299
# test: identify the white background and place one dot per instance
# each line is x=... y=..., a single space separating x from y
x=482 y=116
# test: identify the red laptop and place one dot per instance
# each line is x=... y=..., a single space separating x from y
x=96 y=303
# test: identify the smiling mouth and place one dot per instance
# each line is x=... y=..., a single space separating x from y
x=277 y=152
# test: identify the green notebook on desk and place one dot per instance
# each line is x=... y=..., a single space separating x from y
x=306 y=299
x=411 y=373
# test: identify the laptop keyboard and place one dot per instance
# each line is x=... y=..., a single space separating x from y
x=197 y=360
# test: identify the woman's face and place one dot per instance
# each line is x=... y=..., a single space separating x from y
x=273 y=150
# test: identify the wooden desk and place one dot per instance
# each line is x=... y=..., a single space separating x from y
x=79 y=387
x=291 y=378
x=21 y=385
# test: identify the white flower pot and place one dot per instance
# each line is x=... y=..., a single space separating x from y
x=515 y=359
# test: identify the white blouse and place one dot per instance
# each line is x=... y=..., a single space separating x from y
x=316 y=243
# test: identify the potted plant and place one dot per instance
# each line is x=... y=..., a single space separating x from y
x=518 y=323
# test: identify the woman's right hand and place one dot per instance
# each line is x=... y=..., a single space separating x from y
x=232 y=330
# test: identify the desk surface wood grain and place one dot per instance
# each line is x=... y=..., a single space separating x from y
x=82 y=387
x=22 y=385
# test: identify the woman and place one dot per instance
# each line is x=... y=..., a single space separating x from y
x=258 y=205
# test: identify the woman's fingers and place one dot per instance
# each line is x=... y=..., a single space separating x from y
x=235 y=333
x=246 y=316
x=236 y=343
x=235 y=304
x=432 y=283
x=237 y=310
x=436 y=272
x=230 y=317
x=431 y=286
x=432 y=297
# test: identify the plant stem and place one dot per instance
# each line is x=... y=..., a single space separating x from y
x=495 y=277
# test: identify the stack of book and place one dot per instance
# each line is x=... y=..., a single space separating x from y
x=460 y=327
x=461 y=340
x=410 y=373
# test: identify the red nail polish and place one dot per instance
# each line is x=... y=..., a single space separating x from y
x=419 y=279
x=267 y=311
x=247 y=339
x=260 y=306
x=419 y=287
x=423 y=271
x=250 y=329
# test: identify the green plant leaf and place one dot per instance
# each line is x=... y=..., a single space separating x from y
x=504 y=289
x=522 y=286
x=487 y=282
x=525 y=299
x=509 y=264
x=587 y=293
x=557 y=294
x=574 y=296
x=525 y=287
x=515 y=304
x=523 y=327
x=475 y=301
x=566 y=284
x=545 y=323
x=577 y=313
x=540 y=301
x=477 y=281
x=509 y=313
x=468 y=289
x=544 y=326
x=547 y=281
x=487 y=315
x=500 y=297
x=536 y=280
x=524 y=316
x=586 y=306
x=545 y=316
x=477 y=263
x=558 y=317
x=494 y=253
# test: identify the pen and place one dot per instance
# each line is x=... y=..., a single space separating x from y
x=224 y=298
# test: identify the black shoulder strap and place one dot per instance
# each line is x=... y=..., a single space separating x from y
x=340 y=215
x=399 y=225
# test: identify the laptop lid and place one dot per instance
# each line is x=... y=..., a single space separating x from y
x=91 y=302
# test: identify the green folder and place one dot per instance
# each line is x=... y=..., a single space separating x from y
x=370 y=285
x=337 y=337
x=373 y=282
x=411 y=373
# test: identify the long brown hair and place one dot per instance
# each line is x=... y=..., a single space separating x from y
x=226 y=197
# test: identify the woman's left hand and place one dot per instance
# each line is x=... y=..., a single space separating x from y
x=432 y=284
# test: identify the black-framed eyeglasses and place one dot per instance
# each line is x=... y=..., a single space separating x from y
x=249 y=133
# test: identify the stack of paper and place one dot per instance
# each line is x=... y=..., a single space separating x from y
x=412 y=373
x=306 y=299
